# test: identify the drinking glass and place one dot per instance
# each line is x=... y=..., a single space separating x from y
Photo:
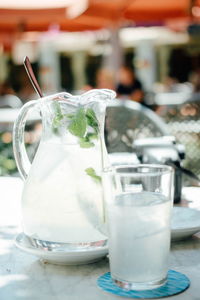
x=138 y=206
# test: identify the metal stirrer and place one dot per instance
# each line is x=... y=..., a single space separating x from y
x=31 y=76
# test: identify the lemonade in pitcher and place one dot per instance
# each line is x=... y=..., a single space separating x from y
x=62 y=200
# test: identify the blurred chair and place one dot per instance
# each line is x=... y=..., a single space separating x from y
x=128 y=120
x=183 y=121
x=171 y=98
x=10 y=101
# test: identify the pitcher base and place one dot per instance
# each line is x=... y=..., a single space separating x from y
x=65 y=247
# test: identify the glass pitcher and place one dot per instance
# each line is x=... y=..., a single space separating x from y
x=62 y=199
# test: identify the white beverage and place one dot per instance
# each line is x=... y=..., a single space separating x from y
x=61 y=202
x=139 y=237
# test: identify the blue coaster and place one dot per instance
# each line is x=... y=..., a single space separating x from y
x=176 y=283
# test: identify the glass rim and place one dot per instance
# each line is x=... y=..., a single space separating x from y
x=166 y=169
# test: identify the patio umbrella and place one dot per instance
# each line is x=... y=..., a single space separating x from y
x=20 y=16
x=86 y=14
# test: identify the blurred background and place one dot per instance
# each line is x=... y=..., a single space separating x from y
x=147 y=51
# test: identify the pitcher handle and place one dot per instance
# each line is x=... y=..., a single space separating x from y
x=20 y=154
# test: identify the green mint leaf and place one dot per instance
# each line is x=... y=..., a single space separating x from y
x=70 y=116
x=92 y=119
x=78 y=124
x=57 y=108
x=56 y=121
x=91 y=114
x=91 y=172
x=86 y=144
x=58 y=116
x=92 y=136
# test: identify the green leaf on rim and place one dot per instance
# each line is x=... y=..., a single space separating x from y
x=78 y=124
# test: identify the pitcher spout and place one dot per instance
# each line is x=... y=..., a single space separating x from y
x=97 y=95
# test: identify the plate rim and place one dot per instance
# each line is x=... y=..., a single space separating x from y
x=187 y=228
x=41 y=252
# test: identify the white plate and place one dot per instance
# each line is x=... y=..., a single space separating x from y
x=185 y=222
x=192 y=195
x=83 y=256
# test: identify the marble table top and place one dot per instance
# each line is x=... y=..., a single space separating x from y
x=25 y=277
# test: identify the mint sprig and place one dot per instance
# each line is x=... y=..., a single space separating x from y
x=78 y=123
x=92 y=136
x=85 y=143
x=92 y=173
x=58 y=116
x=78 y=126
x=92 y=119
